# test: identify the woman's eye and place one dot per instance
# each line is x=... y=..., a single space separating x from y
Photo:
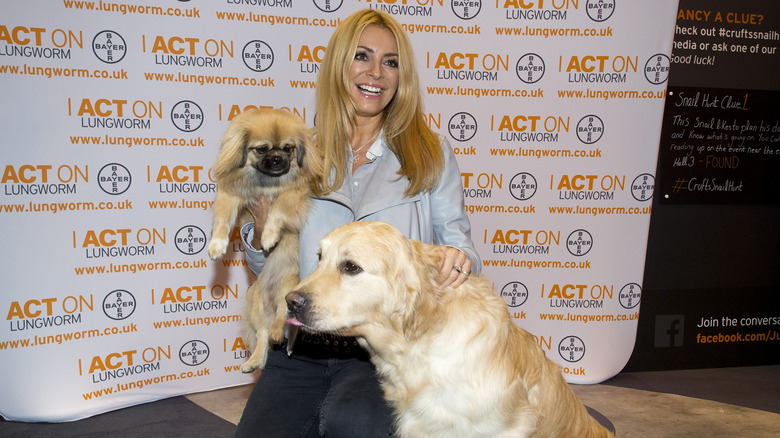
x=392 y=63
x=361 y=56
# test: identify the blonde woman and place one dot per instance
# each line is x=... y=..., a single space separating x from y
x=385 y=165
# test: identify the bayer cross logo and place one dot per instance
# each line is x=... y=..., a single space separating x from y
x=600 y=10
x=523 y=186
x=466 y=9
x=590 y=129
x=119 y=304
x=462 y=127
x=114 y=179
x=579 y=243
x=630 y=295
x=514 y=294
x=187 y=116
x=190 y=240
x=642 y=187
x=657 y=69
x=328 y=5
x=571 y=349
x=530 y=68
x=194 y=353
x=258 y=56
x=109 y=47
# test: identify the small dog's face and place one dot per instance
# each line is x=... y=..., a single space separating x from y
x=273 y=151
x=263 y=148
x=274 y=146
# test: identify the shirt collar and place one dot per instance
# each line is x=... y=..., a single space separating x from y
x=377 y=148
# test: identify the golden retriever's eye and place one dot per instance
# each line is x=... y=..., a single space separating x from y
x=350 y=268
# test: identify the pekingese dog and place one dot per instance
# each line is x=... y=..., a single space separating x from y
x=265 y=152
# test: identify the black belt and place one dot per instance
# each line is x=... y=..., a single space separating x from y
x=322 y=345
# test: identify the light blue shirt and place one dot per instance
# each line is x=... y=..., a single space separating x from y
x=376 y=193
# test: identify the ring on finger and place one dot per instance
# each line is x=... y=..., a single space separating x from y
x=460 y=270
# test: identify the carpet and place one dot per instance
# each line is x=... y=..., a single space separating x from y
x=172 y=417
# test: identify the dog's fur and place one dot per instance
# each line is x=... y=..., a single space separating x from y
x=451 y=361
x=265 y=152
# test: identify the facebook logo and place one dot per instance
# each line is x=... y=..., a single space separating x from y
x=669 y=330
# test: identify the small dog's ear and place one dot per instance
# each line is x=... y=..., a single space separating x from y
x=244 y=149
x=301 y=151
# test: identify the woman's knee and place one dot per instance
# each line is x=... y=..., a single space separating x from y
x=356 y=414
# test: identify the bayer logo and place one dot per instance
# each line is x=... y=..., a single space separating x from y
x=630 y=295
x=571 y=349
x=579 y=243
x=530 y=68
x=643 y=186
x=466 y=10
x=194 y=353
x=328 y=5
x=590 y=129
x=190 y=240
x=657 y=69
x=462 y=127
x=514 y=294
x=258 y=56
x=114 y=179
x=119 y=304
x=109 y=46
x=522 y=186
x=187 y=116
x=600 y=10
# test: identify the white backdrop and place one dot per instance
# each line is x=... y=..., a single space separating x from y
x=111 y=117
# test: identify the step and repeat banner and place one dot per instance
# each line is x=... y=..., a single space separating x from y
x=111 y=118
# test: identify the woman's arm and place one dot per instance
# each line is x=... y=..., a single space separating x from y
x=451 y=225
x=251 y=233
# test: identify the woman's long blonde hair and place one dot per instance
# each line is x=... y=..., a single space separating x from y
x=408 y=136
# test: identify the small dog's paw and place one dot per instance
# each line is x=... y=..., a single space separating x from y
x=270 y=237
x=217 y=248
x=255 y=362
x=276 y=336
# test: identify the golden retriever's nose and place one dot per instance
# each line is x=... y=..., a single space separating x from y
x=295 y=301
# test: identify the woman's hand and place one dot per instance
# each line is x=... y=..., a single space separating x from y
x=259 y=212
x=454 y=267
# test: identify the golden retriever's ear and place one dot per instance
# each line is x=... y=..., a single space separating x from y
x=422 y=310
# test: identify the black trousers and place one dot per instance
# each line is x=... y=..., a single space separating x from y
x=316 y=393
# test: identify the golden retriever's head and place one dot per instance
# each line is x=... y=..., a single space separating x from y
x=265 y=147
x=370 y=277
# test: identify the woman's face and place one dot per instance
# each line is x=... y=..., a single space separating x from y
x=373 y=76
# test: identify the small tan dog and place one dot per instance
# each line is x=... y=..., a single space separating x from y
x=451 y=361
x=265 y=153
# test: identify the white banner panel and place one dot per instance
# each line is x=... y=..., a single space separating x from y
x=111 y=117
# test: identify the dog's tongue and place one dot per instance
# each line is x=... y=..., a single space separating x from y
x=294 y=321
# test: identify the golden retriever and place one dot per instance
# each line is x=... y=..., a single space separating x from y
x=450 y=361
x=265 y=152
